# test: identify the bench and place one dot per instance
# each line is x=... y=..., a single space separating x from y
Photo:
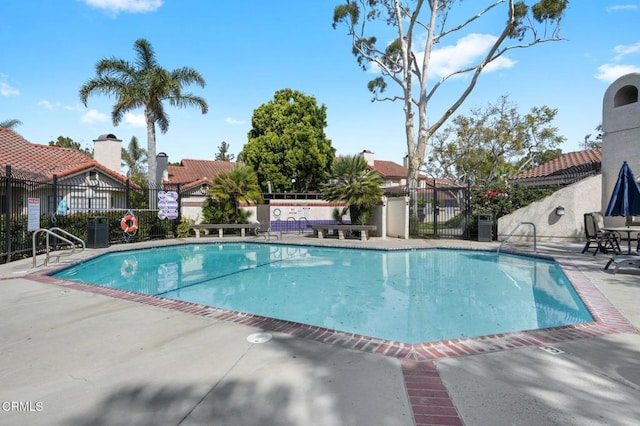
x=222 y=226
x=364 y=229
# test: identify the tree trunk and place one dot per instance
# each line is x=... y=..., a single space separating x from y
x=151 y=149
x=416 y=152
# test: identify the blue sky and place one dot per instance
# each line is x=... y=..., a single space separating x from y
x=248 y=50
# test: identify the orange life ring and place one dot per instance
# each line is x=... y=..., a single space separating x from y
x=129 y=224
x=129 y=267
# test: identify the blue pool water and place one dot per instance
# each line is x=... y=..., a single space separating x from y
x=409 y=296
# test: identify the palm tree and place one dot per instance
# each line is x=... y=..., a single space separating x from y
x=144 y=84
x=223 y=153
x=354 y=184
x=10 y=124
x=239 y=184
x=134 y=157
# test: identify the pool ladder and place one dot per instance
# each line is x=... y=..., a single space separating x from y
x=535 y=244
x=57 y=233
x=298 y=223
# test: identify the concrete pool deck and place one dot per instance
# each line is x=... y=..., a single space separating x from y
x=71 y=356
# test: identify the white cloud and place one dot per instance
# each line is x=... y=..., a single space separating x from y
x=94 y=116
x=76 y=107
x=130 y=6
x=136 y=120
x=230 y=120
x=5 y=88
x=500 y=63
x=57 y=105
x=624 y=50
x=465 y=53
x=48 y=105
x=610 y=72
x=622 y=7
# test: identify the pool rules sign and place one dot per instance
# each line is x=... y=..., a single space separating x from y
x=167 y=205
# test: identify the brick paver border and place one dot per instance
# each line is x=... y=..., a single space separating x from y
x=428 y=396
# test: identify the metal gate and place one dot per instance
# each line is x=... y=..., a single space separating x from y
x=264 y=217
x=439 y=211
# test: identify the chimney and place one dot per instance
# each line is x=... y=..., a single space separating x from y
x=368 y=156
x=162 y=163
x=107 y=150
x=405 y=161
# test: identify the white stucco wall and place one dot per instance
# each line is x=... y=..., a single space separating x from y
x=577 y=199
x=191 y=208
x=390 y=217
x=107 y=150
x=620 y=143
x=620 y=138
x=308 y=209
x=398 y=217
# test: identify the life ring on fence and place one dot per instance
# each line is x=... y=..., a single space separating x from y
x=129 y=224
x=129 y=267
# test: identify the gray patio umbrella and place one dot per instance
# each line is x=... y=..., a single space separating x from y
x=625 y=198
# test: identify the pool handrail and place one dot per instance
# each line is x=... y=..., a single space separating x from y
x=300 y=227
x=56 y=231
x=535 y=245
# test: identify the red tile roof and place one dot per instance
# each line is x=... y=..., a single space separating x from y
x=564 y=164
x=46 y=161
x=389 y=169
x=191 y=171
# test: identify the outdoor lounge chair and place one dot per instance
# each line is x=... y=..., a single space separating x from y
x=602 y=240
x=621 y=260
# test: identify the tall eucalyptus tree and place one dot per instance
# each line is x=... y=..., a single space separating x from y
x=418 y=27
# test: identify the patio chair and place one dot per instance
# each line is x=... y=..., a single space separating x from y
x=596 y=235
x=629 y=260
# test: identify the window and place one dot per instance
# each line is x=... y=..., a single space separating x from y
x=625 y=96
x=92 y=178
x=84 y=203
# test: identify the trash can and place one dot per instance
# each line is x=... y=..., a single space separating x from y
x=98 y=232
x=485 y=226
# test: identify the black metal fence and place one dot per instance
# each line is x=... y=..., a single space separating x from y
x=30 y=201
x=439 y=211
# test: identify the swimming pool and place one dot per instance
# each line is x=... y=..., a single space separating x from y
x=409 y=296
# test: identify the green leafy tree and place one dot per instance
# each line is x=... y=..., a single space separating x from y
x=500 y=200
x=144 y=84
x=492 y=144
x=134 y=158
x=141 y=195
x=353 y=183
x=594 y=140
x=223 y=153
x=419 y=27
x=229 y=189
x=287 y=145
x=66 y=142
x=10 y=124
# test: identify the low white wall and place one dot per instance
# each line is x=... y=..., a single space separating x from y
x=398 y=217
x=191 y=208
x=379 y=219
x=577 y=199
x=312 y=210
x=391 y=217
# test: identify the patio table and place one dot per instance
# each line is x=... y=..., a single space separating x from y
x=627 y=230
